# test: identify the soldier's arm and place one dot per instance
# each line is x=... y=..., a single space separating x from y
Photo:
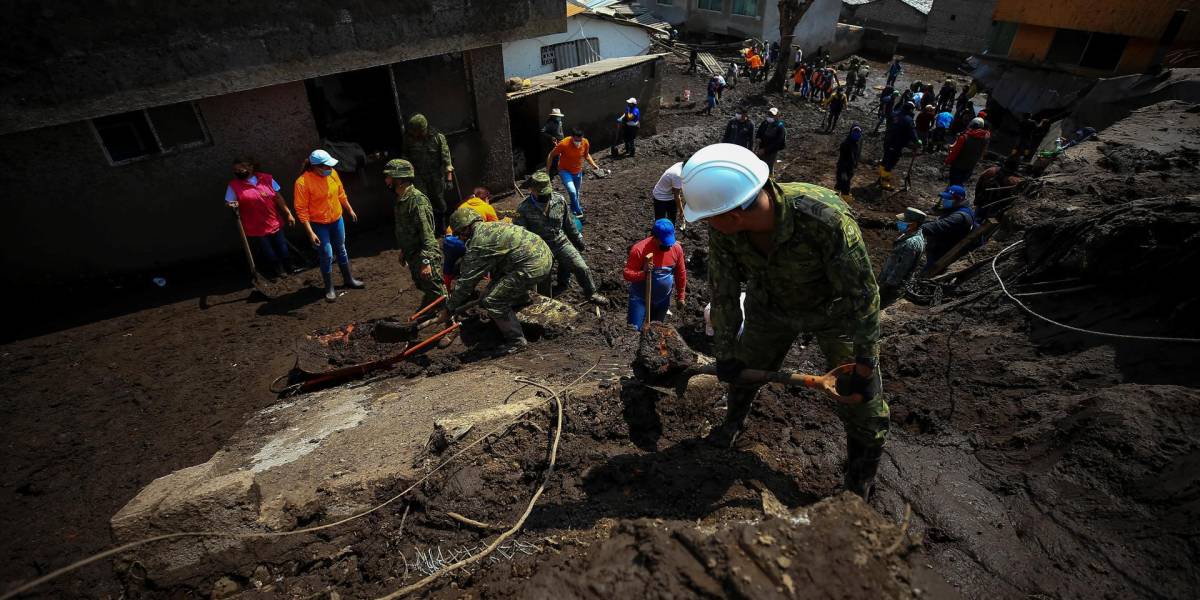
x=478 y=262
x=906 y=261
x=444 y=148
x=429 y=246
x=724 y=279
x=852 y=281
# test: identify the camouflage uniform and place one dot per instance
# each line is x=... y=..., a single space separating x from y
x=517 y=259
x=429 y=154
x=416 y=239
x=818 y=280
x=900 y=267
x=553 y=223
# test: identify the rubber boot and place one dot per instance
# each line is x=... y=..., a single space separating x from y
x=726 y=434
x=862 y=463
x=881 y=171
x=886 y=181
x=514 y=336
x=330 y=293
x=280 y=270
x=348 y=279
x=589 y=289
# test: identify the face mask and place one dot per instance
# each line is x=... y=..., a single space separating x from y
x=577 y=144
x=947 y=203
x=242 y=174
x=902 y=226
x=324 y=172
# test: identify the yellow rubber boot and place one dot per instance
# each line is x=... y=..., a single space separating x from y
x=886 y=181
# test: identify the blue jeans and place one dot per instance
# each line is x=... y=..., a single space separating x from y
x=573 y=182
x=333 y=240
x=274 y=246
x=660 y=298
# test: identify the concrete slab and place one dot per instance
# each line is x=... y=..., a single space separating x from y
x=321 y=454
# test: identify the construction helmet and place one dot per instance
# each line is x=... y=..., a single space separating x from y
x=720 y=178
x=400 y=168
x=463 y=218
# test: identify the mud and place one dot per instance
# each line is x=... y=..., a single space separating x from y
x=661 y=354
x=1036 y=462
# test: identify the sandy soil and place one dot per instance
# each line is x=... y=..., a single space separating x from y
x=1036 y=463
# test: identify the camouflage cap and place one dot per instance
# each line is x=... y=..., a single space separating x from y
x=463 y=218
x=539 y=183
x=912 y=215
x=398 y=167
x=418 y=122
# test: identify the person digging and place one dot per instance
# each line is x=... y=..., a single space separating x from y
x=517 y=259
x=544 y=212
x=805 y=268
x=415 y=234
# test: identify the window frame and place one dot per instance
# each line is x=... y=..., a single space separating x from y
x=720 y=10
x=145 y=113
x=734 y=13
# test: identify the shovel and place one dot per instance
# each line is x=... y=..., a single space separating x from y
x=826 y=383
x=391 y=332
x=255 y=280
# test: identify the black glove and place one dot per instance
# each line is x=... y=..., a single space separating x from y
x=729 y=369
x=853 y=383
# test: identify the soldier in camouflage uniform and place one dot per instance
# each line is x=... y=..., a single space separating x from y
x=905 y=258
x=429 y=154
x=415 y=234
x=805 y=268
x=545 y=213
x=517 y=259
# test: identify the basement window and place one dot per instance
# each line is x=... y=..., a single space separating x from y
x=141 y=134
x=745 y=8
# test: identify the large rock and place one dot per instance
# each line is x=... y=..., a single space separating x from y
x=319 y=455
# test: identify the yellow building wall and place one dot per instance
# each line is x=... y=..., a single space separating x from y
x=1031 y=43
x=1146 y=19
x=1138 y=54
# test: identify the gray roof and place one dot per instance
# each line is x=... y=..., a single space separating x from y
x=921 y=6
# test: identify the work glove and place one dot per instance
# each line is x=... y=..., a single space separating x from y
x=867 y=386
x=729 y=369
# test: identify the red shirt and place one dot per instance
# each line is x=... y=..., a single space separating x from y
x=634 y=267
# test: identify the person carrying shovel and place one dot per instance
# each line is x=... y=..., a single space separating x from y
x=805 y=267
x=667 y=274
x=415 y=234
x=517 y=259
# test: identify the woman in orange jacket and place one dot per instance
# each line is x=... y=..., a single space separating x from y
x=320 y=198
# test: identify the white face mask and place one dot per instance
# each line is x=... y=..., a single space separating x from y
x=576 y=143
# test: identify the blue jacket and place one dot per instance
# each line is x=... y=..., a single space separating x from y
x=942 y=235
x=633 y=112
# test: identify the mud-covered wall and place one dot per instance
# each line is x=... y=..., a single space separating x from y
x=959 y=25
x=81 y=217
x=893 y=16
x=593 y=105
x=492 y=151
x=73 y=60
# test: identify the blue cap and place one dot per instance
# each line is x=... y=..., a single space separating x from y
x=664 y=231
x=954 y=191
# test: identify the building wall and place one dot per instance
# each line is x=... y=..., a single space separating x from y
x=675 y=13
x=64 y=68
x=892 y=16
x=959 y=25
x=85 y=218
x=1126 y=17
x=491 y=151
x=523 y=58
x=1031 y=43
x=1138 y=54
x=725 y=22
x=817 y=29
x=593 y=106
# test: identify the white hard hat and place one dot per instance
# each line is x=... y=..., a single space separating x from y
x=631 y=101
x=720 y=178
x=977 y=123
x=773 y=111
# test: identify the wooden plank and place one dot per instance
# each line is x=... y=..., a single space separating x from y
x=710 y=63
x=957 y=250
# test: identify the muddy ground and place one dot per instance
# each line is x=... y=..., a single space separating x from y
x=1036 y=462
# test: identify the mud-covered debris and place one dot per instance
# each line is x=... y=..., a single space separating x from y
x=662 y=354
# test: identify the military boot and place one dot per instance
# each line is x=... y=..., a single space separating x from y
x=348 y=279
x=330 y=293
x=862 y=462
x=514 y=336
x=725 y=434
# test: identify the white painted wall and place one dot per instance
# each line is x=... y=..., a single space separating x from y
x=816 y=29
x=523 y=58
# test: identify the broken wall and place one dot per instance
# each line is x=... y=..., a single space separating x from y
x=592 y=103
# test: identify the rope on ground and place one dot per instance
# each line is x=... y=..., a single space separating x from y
x=1122 y=336
x=408 y=589
x=79 y=564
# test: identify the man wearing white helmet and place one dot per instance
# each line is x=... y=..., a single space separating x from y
x=629 y=122
x=801 y=258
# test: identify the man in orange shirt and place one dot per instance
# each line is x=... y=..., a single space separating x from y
x=571 y=152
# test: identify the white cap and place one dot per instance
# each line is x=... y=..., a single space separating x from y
x=554 y=112
x=773 y=111
x=631 y=100
x=720 y=178
x=321 y=157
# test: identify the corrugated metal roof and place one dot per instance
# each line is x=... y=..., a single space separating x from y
x=594 y=4
x=921 y=6
x=564 y=78
x=575 y=9
x=652 y=21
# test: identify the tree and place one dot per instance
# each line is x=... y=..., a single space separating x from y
x=790 y=13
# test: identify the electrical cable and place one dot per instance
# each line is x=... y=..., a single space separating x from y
x=79 y=564
x=1122 y=336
